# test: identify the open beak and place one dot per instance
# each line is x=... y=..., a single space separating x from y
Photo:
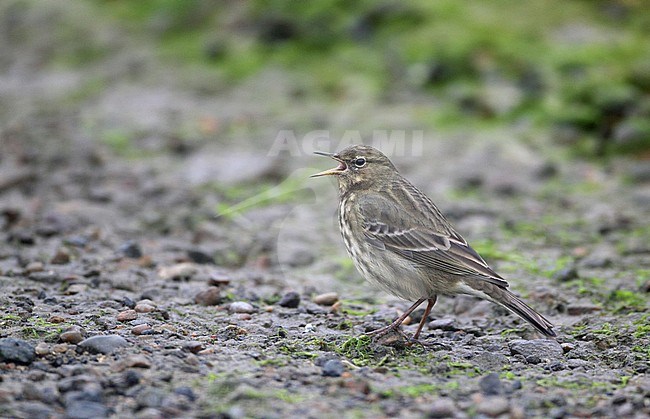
x=335 y=171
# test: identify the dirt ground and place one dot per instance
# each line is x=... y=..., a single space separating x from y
x=163 y=253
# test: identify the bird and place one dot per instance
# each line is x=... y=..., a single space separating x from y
x=400 y=241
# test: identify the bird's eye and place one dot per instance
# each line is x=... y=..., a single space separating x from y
x=360 y=162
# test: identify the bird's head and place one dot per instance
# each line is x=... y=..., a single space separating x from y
x=359 y=166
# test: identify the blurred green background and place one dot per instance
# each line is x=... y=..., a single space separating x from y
x=581 y=67
x=578 y=67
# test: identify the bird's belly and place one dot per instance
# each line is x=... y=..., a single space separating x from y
x=391 y=273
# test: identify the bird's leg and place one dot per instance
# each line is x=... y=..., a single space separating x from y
x=394 y=325
x=430 y=303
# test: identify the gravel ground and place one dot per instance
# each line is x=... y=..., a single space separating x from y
x=191 y=271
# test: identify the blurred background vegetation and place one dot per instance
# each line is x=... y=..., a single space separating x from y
x=578 y=67
x=581 y=67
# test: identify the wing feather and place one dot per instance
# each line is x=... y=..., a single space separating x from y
x=388 y=228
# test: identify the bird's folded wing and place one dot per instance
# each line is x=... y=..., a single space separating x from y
x=448 y=253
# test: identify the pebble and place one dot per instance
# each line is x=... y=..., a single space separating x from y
x=127 y=315
x=442 y=324
x=493 y=406
x=144 y=308
x=241 y=307
x=180 y=271
x=61 y=257
x=193 y=346
x=130 y=249
x=60 y=348
x=42 y=348
x=566 y=274
x=187 y=392
x=534 y=351
x=243 y=316
x=567 y=346
x=290 y=300
x=333 y=368
x=105 y=344
x=141 y=329
x=55 y=319
x=47 y=277
x=34 y=267
x=17 y=351
x=84 y=409
x=75 y=289
x=71 y=336
x=490 y=385
x=327 y=299
x=208 y=297
x=198 y=256
x=579 y=309
x=442 y=408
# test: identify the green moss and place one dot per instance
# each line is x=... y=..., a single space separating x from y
x=642 y=327
x=627 y=301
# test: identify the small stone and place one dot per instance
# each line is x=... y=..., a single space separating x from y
x=442 y=324
x=442 y=408
x=127 y=315
x=208 y=297
x=34 y=267
x=137 y=361
x=130 y=249
x=17 y=351
x=47 y=277
x=75 y=289
x=60 y=348
x=490 y=385
x=579 y=309
x=105 y=344
x=493 y=406
x=534 y=351
x=243 y=316
x=61 y=257
x=200 y=257
x=141 y=329
x=599 y=258
x=71 y=336
x=144 y=308
x=566 y=274
x=290 y=300
x=178 y=272
x=333 y=368
x=327 y=299
x=84 y=409
x=42 y=349
x=193 y=346
x=186 y=392
x=56 y=319
x=241 y=307
x=566 y=347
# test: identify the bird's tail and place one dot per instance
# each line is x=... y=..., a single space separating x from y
x=513 y=303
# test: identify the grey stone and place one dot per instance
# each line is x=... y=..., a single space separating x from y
x=493 y=406
x=534 y=351
x=491 y=384
x=290 y=300
x=442 y=324
x=566 y=274
x=241 y=307
x=442 y=408
x=333 y=368
x=104 y=344
x=83 y=409
x=17 y=351
x=130 y=249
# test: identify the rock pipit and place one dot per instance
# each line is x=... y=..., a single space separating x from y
x=400 y=241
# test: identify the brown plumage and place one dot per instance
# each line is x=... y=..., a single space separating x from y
x=400 y=241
